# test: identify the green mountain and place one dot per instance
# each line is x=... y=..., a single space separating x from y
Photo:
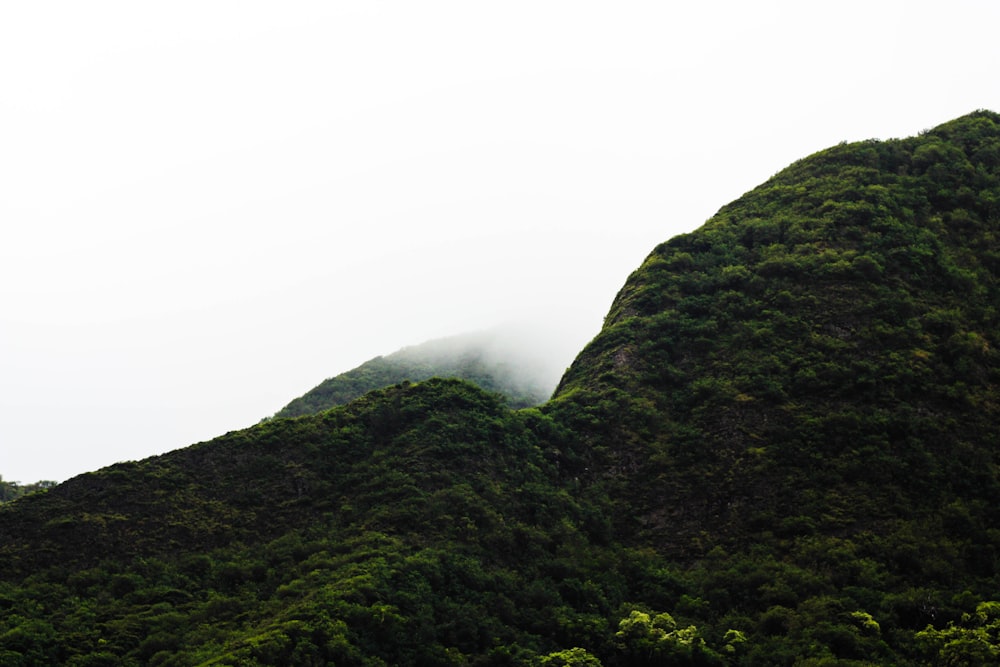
x=781 y=449
x=501 y=360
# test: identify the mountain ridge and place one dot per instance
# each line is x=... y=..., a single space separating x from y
x=780 y=449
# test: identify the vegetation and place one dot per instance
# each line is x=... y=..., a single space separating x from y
x=780 y=450
x=12 y=490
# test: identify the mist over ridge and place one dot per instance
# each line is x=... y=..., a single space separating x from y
x=520 y=360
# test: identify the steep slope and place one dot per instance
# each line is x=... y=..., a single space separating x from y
x=781 y=449
x=812 y=377
x=834 y=329
x=500 y=360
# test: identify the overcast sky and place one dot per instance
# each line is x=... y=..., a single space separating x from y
x=209 y=207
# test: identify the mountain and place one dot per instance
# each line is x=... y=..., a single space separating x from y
x=506 y=360
x=824 y=349
x=780 y=449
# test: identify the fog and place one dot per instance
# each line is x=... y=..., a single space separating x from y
x=528 y=358
x=207 y=208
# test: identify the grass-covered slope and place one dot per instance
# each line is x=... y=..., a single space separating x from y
x=499 y=360
x=780 y=450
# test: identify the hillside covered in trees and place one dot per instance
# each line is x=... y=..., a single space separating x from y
x=781 y=449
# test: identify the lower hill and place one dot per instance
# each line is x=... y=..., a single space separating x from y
x=780 y=449
x=421 y=524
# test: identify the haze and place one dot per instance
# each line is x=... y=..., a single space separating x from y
x=208 y=208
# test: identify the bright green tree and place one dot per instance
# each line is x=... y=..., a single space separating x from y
x=574 y=657
x=655 y=639
x=975 y=641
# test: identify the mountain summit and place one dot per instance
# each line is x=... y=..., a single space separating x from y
x=780 y=449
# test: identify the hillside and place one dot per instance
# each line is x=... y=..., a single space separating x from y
x=500 y=360
x=825 y=344
x=780 y=449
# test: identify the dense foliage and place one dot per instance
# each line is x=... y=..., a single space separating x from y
x=486 y=359
x=423 y=524
x=780 y=450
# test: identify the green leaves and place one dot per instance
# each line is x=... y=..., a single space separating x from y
x=975 y=640
x=653 y=639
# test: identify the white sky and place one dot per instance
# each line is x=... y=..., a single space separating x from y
x=206 y=208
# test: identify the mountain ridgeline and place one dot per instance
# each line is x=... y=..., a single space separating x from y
x=781 y=449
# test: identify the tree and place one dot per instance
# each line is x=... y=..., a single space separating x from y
x=647 y=639
x=975 y=641
x=574 y=657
